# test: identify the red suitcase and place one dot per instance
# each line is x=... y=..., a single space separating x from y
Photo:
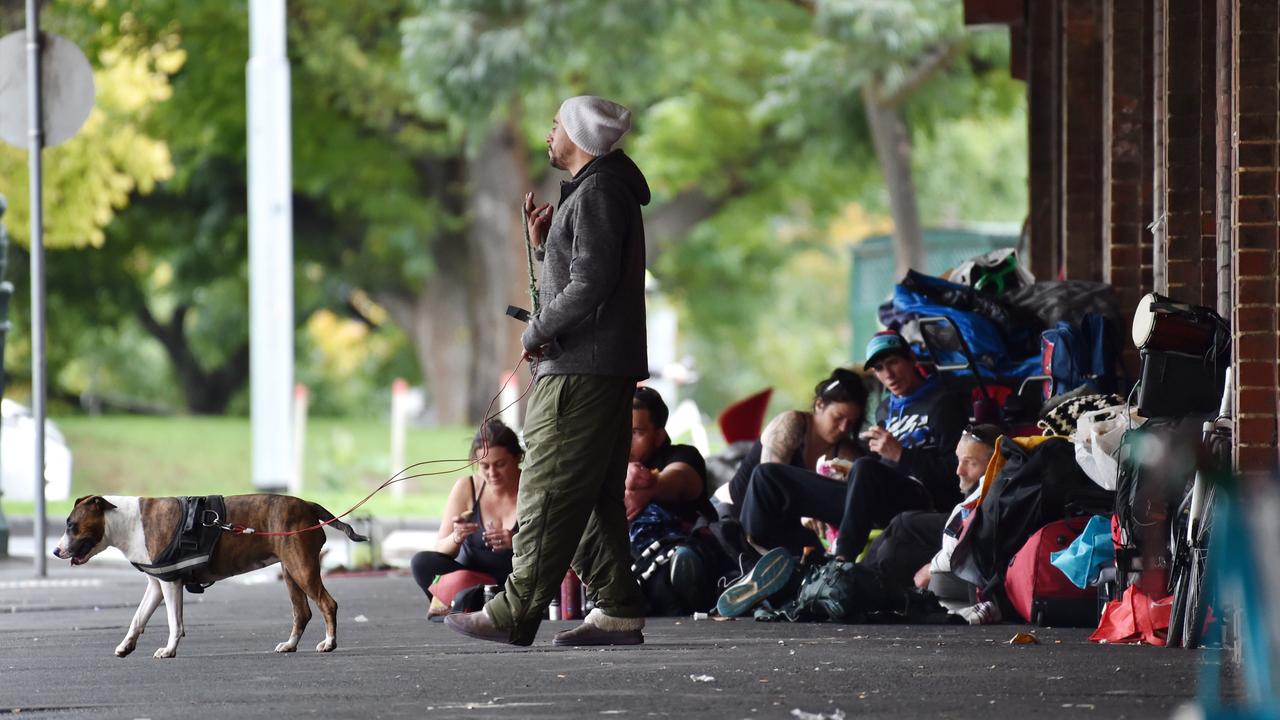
x=1039 y=591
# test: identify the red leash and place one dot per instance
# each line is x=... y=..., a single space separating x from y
x=235 y=529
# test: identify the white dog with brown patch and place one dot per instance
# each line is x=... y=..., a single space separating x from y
x=142 y=529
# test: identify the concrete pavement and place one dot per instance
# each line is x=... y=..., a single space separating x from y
x=57 y=635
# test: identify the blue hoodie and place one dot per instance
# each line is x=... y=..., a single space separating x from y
x=928 y=423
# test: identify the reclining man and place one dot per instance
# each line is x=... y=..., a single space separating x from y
x=913 y=466
x=915 y=549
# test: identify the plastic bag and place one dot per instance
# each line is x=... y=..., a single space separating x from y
x=1096 y=439
x=1083 y=559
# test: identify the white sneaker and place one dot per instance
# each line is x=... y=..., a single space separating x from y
x=984 y=613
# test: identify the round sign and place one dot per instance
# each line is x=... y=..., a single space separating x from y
x=66 y=87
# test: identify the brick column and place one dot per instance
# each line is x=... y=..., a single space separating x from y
x=1082 y=139
x=1256 y=232
x=1126 y=132
x=1044 y=177
x=1208 y=151
x=1187 y=139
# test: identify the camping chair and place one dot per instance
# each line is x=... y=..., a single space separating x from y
x=994 y=399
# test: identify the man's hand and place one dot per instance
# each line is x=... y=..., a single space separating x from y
x=642 y=487
x=883 y=443
x=639 y=477
x=539 y=219
x=534 y=354
x=922 y=577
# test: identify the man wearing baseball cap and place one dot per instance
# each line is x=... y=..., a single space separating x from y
x=587 y=347
x=912 y=465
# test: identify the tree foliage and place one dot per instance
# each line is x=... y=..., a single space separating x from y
x=89 y=178
x=417 y=126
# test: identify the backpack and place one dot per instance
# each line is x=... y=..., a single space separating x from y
x=718 y=545
x=1073 y=356
x=837 y=591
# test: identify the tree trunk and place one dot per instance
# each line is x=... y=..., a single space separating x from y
x=892 y=141
x=497 y=177
x=206 y=392
x=436 y=321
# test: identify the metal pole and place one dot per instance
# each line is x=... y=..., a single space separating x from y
x=1159 y=228
x=1226 y=173
x=35 y=125
x=270 y=248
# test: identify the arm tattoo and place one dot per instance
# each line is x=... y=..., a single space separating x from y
x=782 y=438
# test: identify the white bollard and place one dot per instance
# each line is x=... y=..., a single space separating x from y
x=301 y=406
x=509 y=401
x=399 y=393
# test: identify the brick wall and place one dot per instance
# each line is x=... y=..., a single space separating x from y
x=1044 y=177
x=1082 y=101
x=1126 y=143
x=1189 y=170
x=1256 y=232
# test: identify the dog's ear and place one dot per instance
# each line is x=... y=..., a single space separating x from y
x=97 y=500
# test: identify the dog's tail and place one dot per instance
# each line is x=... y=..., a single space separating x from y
x=326 y=516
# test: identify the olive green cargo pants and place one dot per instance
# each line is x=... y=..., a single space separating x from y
x=570 y=504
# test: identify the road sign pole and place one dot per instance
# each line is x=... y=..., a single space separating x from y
x=35 y=146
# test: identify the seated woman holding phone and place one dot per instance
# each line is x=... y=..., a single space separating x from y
x=473 y=546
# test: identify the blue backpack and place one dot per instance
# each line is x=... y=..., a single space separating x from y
x=1073 y=356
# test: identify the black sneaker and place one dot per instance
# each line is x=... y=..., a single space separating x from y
x=769 y=575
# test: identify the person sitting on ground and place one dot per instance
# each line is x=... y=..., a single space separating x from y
x=666 y=495
x=912 y=467
x=479 y=519
x=903 y=552
x=800 y=438
x=666 y=485
x=977 y=446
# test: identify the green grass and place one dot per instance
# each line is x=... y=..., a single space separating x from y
x=344 y=460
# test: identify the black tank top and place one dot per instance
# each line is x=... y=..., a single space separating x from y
x=474 y=554
x=738 y=485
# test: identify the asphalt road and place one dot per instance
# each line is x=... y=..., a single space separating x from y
x=57 y=637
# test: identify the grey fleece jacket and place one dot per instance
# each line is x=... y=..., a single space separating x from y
x=591 y=291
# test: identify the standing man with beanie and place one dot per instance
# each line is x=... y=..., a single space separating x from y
x=587 y=348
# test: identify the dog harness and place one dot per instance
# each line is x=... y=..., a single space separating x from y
x=192 y=544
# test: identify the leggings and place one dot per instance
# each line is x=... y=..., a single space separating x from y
x=428 y=564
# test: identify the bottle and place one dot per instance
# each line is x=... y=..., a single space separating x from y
x=489 y=592
x=553 y=610
x=571 y=597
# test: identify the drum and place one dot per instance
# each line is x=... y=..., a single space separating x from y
x=1162 y=325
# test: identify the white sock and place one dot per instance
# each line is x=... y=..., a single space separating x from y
x=613 y=624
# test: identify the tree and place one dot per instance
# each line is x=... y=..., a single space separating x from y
x=363 y=169
x=92 y=176
x=417 y=128
x=882 y=52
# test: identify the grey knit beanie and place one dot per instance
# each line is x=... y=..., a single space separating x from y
x=593 y=123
